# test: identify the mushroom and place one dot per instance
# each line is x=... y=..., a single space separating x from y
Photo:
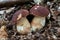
x=3 y=33
x=23 y=25
x=40 y=14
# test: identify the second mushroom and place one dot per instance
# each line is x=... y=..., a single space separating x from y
x=40 y=14
x=23 y=25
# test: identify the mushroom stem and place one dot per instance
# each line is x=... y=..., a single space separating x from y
x=37 y=23
x=23 y=26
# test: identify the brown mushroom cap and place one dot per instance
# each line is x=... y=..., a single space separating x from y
x=38 y=10
x=23 y=13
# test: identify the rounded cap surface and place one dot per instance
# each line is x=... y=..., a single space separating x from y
x=38 y=10
x=20 y=13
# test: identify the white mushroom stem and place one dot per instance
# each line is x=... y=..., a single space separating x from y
x=23 y=26
x=37 y=23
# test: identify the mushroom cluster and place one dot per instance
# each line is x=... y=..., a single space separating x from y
x=23 y=25
x=29 y=20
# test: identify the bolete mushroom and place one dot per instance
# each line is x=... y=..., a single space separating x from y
x=40 y=14
x=23 y=25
